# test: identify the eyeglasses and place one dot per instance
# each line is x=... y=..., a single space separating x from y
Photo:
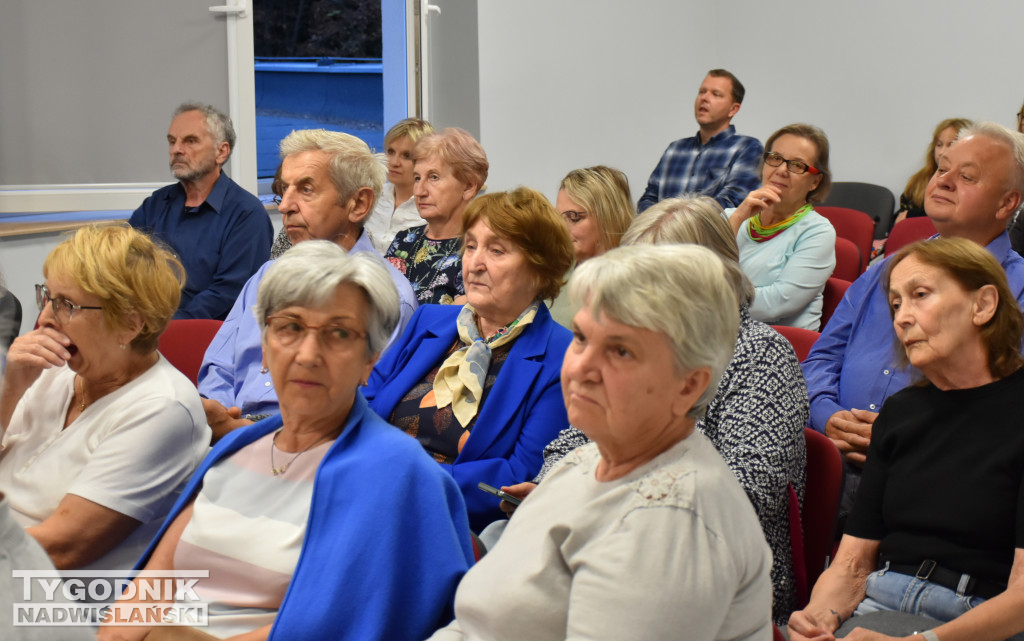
x=574 y=216
x=289 y=331
x=63 y=309
x=775 y=159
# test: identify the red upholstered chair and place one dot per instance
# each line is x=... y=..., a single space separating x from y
x=184 y=343
x=853 y=225
x=821 y=507
x=801 y=339
x=848 y=260
x=907 y=231
x=874 y=200
x=835 y=289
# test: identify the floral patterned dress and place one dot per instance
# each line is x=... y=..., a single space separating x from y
x=433 y=267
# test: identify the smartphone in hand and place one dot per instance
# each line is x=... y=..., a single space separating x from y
x=505 y=496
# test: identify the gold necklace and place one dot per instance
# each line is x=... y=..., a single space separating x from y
x=278 y=471
x=81 y=389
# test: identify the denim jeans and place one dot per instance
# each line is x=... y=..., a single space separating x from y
x=891 y=591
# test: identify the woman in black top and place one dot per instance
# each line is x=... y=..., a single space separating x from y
x=938 y=525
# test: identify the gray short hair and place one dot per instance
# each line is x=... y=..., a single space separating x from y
x=680 y=291
x=352 y=165
x=696 y=220
x=217 y=122
x=1012 y=139
x=308 y=274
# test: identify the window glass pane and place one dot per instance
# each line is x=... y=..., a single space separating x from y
x=318 y=65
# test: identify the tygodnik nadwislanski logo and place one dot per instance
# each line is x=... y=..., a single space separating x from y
x=91 y=597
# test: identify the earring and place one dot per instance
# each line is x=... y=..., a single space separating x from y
x=263 y=370
x=123 y=346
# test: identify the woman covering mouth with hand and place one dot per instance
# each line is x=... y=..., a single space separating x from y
x=99 y=430
x=786 y=249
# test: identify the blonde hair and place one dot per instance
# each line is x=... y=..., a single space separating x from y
x=128 y=271
x=411 y=128
x=914 y=191
x=604 y=193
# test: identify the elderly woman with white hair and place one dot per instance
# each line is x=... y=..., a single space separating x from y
x=644 y=533
x=756 y=420
x=304 y=520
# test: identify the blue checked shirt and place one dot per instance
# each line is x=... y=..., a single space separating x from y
x=725 y=169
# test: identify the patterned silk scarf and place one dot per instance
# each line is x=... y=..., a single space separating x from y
x=460 y=380
x=760 y=234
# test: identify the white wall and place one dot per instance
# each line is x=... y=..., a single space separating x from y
x=571 y=84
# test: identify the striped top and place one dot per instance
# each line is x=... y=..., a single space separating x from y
x=247 y=529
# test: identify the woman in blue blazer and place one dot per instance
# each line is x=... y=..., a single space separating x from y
x=479 y=385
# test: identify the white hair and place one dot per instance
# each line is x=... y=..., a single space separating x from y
x=681 y=291
x=308 y=274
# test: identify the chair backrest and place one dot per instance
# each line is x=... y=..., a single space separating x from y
x=835 y=289
x=874 y=200
x=821 y=502
x=801 y=339
x=853 y=225
x=907 y=231
x=184 y=343
x=848 y=260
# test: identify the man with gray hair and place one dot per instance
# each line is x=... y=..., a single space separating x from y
x=852 y=368
x=220 y=232
x=328 y=186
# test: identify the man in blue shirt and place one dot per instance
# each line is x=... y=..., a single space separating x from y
x=220 y=232
x=329 y=182
x=717 y=162
x=853 y=367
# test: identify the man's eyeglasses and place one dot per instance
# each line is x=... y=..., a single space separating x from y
x=775 y=159
x=289 y=331
x=63 y=309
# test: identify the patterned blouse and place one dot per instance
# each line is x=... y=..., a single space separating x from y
x=756 y=422
x=433 y=267
x=437 y=430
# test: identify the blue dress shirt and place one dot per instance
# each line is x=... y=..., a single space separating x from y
x=854 y=363
x=725 y=169
x=231 y=370
x=221 y=243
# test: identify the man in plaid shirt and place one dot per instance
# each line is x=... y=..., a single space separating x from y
x=717 y=162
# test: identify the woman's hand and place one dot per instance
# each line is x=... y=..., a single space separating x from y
x=520 y=491
x=862 y=634
x=28 y=356
x=37 y=350
x=851 y=432
x=804 y=627
x=757 y=201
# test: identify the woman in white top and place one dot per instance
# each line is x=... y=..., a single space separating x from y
x=786 y=249
x=99 y=430
x=643 y=533
x=395 y=210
